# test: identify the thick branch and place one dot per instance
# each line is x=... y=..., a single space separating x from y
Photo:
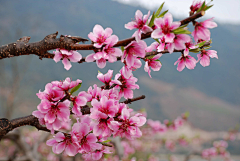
x=50 y=42
x=6 y=125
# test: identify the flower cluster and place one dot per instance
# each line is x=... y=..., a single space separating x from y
x=218 y=149
x=107 y=115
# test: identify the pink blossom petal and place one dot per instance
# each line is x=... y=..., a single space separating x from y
x=175 y=25
x=209 y=23
x=146 y=29
x=75 y=57
x=108 y=32
x=169 y=37
x=97 y=155
x=90 y=58
x=131 y=25
x=60 y=147
x=205 y=60
x=91 y=138
x=158 y=22
x=101 y=63
x=66 y=63
x=138 y=15
x=50 y=117
x=212 y=54
x=57 y=124
x=190 y=63
x=57 y=56
x=145 y=17
x=98 y=30
x=59 y=137
x=92 y=37
x=181 y=65
x=71 y=150
x=157 y=34
x=168 y=19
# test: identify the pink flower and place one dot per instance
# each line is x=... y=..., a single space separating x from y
x=187 y=61
x=178 y=42
x=164 y=28
x=105 y=106
x=205 y=56
x=133 y=50
x=61 y=143
x=127 y=70
x=95 y=92
x=106 y=78
x=157 y=126
x=100 y=36
x=189 y=45
x=201 y=31
x=107 y=53
x=83 y=138
x=67 y=56
x=97 y=154
x=195 y=5
x=140 y=24
x=154 y=63
x=103 y=112
x=53 y=113
x=66 y=84
x=51 y=93
x=128 y=127
x=126 y=86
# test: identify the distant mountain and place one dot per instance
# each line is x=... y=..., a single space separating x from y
x=40 y=18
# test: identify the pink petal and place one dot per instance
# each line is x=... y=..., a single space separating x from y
x=50 y=117
x=101 y=63
x=97 y=155
x=205 y=60
x=168 y=19
x=66 y=63
x=138 y=15
x=92 y=37
x=125 y=114
x=60 y=147
x=181 y=65
x=190 y=63
x=98 y=30
x=90 y=58
x=146 y=29
x=145 y=17
x=59 y=137
x=212 y=53
x=169 y=37
x=91 y=138
x=158 y=22
x=131 y=25
x=108 y=32
x=57 y=57
x=209 y=23
x=57 y=124
x=71 y=150
x=175 y=25
x=75 y=57
x=157 y=34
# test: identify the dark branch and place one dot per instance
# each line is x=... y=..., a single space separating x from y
x=6 y=125
x=50 y=42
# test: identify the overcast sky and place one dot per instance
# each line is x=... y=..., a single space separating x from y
x=224 y=11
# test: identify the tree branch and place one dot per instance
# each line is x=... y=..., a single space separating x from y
x=6 y=125
x=50 y=42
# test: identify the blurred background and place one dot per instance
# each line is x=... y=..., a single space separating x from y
x=211 y=94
